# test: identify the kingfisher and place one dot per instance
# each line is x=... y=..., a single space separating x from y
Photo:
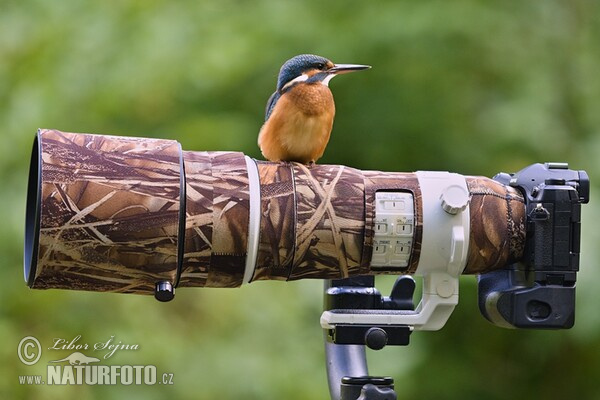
x=299 y=115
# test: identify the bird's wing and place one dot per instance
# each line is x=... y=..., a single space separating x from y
x=271 y=104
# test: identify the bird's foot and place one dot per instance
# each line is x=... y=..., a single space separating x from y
x=311 y=163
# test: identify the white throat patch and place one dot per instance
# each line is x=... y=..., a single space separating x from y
x=327 y=79
x=298 y=79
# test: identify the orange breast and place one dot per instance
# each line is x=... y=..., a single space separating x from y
x=300 y=125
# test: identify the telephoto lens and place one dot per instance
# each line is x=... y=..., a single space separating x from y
x=138 y=215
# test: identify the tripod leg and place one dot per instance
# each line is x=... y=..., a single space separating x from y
x=343 y=360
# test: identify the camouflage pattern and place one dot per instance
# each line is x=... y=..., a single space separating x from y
x=277 y=221
x=109 y=212
x=110 y=217
x=199 y=216
x=217 y=217
x=312 y=221
x=330 y=222
x=497 y=225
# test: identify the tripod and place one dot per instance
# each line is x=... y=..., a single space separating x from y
x=347 y=371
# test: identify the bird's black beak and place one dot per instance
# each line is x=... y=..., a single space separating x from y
x=339 y=69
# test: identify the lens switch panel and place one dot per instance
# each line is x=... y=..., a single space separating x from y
x=393 y=230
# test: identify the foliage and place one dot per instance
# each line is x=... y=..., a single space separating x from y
x=467 y=86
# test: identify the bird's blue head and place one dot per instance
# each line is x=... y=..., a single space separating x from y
x=307 y=68
x=296 y=66
x=317 y=67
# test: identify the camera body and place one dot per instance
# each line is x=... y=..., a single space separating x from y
x=539 y=290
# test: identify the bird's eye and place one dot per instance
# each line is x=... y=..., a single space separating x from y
x=320 y=66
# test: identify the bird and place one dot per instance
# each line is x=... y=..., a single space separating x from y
x=299 y=114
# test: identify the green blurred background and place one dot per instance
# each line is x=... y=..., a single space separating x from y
x=468 y=86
